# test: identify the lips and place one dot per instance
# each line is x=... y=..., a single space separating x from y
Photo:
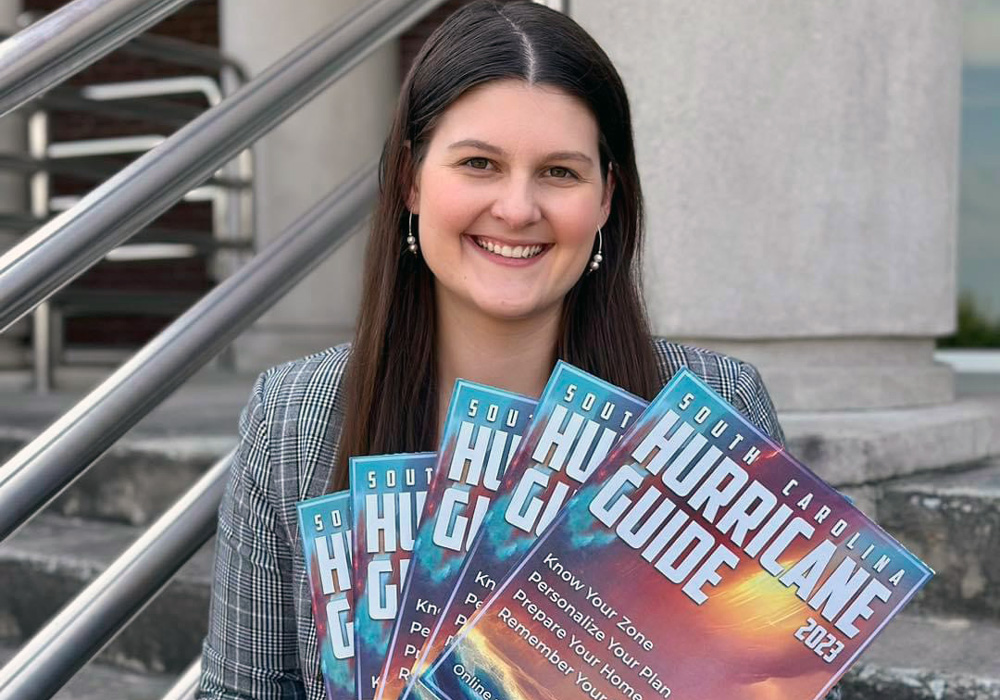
x=505 y=250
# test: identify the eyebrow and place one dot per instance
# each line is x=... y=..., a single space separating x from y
x=490 y=148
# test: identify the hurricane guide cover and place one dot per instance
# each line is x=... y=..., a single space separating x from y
x=699 y=561
x=324 y=523
x=482 y=429
x=388 y=493
x=578 y=420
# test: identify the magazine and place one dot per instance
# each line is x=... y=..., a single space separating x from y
x=324 y=523
x=578 y=420
x=699 y=561
x=481 y=432
x=387 y=493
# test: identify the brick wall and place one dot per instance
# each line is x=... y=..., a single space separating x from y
x=198 y=22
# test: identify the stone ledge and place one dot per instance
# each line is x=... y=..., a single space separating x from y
x=875 y=683
x=137 y=479
x=51 y=559
x=952 y=522
x=862 y=447
x=929 y=658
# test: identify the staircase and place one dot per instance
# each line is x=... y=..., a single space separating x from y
x=948 y=646
x=52 y=558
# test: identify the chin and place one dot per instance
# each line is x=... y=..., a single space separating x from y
x=511 y=310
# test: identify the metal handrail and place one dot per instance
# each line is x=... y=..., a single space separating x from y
x=188 y=53
x=81 y=629
x=63 y=452
x=163 y=48
x=45 y=262
x=187 y=685
x=69 y=39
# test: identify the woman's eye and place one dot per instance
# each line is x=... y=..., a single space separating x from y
x=478 y=163
x=561 y=173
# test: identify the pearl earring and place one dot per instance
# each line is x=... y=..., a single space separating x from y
x=595 y=262
x=411 y=240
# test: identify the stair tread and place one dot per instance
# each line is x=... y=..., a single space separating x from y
x=206 y=405
x=51 y=560
x=87 y=547
x=982 y=482
x=97 y=681
x=940 y=644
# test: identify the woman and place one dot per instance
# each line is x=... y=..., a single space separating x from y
x=507 y=235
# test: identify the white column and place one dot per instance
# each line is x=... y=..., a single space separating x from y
x=14 y=353
x=799 y=161
x=303 y=159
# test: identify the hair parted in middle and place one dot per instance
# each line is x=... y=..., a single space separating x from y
x=391 y=391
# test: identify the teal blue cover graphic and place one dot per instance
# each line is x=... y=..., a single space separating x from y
x=325 y=526
x=481 y=433
x=699 y=561
x=388 y=493
x=578 y=420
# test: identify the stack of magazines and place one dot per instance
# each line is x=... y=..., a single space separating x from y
x=591 y=545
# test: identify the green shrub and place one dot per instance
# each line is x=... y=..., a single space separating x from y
x=975 y=328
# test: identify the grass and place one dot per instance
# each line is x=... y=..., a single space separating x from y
x=975 y=328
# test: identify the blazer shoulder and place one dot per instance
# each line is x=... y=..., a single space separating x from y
x=317 y=377
x=736 y=381
x=301 y=405
x=719 y=371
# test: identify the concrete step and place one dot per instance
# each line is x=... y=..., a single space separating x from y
x=929 y=658
x=856 y=448
x=52 y=558
x=98 y=681
x=152 y=464
x=952 y=522
x=136 y=480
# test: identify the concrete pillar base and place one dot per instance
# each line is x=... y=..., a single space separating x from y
x=835 y=374
x=301 y=160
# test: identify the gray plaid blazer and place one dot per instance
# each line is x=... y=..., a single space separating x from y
x=261 y=640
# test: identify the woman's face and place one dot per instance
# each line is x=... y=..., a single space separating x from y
x=510 y=197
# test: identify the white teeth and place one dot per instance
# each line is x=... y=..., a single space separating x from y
x=506 y=251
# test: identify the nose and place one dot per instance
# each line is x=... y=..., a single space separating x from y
x=516 y=203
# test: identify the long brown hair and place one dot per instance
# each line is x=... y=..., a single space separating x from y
x=391 y=378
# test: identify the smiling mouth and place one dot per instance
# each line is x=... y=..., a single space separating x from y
x=504 y=250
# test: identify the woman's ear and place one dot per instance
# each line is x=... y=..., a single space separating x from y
x=609 y=190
